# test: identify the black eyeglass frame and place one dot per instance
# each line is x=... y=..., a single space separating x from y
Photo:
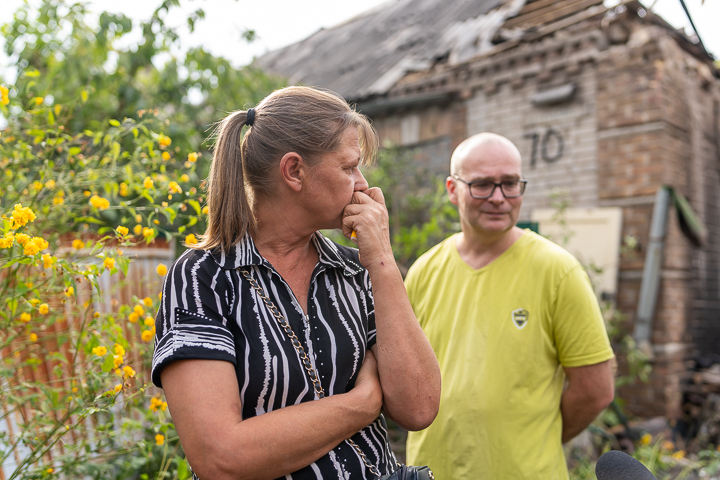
x=523 y=182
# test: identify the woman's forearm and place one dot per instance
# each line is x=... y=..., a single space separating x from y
x=204 y=403
x=407 y=366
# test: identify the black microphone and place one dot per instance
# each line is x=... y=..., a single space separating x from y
x=616 y=465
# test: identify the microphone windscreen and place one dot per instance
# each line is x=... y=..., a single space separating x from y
x=616 y=465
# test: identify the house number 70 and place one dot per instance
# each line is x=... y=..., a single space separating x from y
x=549 y=154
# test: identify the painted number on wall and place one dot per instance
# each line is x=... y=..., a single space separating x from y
x=548 y=145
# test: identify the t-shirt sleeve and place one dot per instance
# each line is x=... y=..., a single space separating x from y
x=580 y=334
x=192 y=321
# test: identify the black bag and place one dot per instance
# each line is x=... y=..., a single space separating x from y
x=404 y=472
x=410 y=473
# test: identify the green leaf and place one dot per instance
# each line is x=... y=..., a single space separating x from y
x=74 y=151
x=195 y=204
x=114 y=122
x=183 y=470
x=51 y=117
x=89 y=220
x=108 y=362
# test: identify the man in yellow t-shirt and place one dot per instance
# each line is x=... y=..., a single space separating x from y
x=511 y=317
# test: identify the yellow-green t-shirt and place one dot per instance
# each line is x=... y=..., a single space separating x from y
x=502 y=334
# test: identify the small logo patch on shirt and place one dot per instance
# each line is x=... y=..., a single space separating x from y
x=520 y=318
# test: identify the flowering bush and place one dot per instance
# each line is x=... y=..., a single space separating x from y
x=75 y=375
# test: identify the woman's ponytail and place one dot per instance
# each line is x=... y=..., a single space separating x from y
x=230 y=214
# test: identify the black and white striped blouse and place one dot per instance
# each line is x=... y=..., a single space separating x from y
x=209 y=311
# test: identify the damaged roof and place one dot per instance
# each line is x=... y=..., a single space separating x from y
x=366 y=55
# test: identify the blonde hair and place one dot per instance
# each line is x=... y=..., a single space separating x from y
x=304 y=120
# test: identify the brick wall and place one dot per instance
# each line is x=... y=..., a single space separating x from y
x=509 y=111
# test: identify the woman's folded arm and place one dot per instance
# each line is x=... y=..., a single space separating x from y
x=205 y=406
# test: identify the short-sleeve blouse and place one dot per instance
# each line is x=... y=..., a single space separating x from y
x=210 y=311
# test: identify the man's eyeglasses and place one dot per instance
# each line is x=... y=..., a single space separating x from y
x=482 y=189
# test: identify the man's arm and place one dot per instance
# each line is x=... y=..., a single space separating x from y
x=590 y=389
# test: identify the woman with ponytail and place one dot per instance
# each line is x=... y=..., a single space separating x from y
x=276 y=347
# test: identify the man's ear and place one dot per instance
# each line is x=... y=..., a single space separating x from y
x=451 y=188
x=293 y=170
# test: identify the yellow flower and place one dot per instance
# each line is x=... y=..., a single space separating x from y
x=174 y=187
x=679 y=455
x=99 y=202
x=7 y=240
x=122 y=230
x=160 y=296
x=35 y=245
x=148 y=183
x=138 y=218
x=646 y=439
x=117 y=388
x=123 y=189
x=50 y=184
x=137 y=229
x=22 y=239
x=33 y=337
x=159 y=439
x=118 y=349
x=133 y=317
x=69 y=292
x=156 y=221
x=21 y=216
x=164 y=141
x=4 y=95
x=29 y=284
x=117 y=360
x=161 y=269
x=109 y=263
x=25 y=317
x=87 y=193
x=38 y=100
x=128 y=371
x=191 y=240
x=164 y=204
x=165 y=156
x=48 y=260
x=192 y=157
x=30 y=249
x=36 y=185
x=44 y=309
x=184 y=177
x=78 y=244
x=205 y=209
x=58 y=201
x=157 y=404
x=149 y=321
x=50 y=470
x=99 y=351
x=668 y=446
x=147 y=232
x=147 y=301
x=146 y=335
x=139 y=310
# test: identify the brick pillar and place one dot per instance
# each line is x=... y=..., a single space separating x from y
x=641 y=146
